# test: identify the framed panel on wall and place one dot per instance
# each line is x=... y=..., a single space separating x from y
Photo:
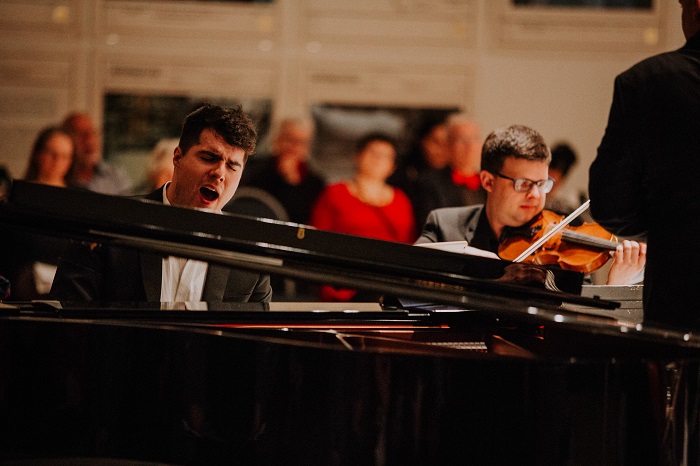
x=576 y=25
x=608 y=4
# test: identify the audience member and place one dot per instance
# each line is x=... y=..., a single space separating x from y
x=514 y=174
x=214 y=146
x=286 y=174
x=160 y=165
x=91 y=172
x=643 y=180
x=562 y=199
x=430 y=152
x=52 y=157
x=456 y=184
x=31 y=258
x=366 y=205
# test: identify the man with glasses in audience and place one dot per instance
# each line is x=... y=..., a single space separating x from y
x=514 y=174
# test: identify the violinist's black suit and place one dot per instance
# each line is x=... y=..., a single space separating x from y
x=646 y=177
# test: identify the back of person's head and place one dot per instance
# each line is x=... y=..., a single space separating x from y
x=366 y=140
x=513 y=141
x=39 y=146
x=563 y=158
x=232 y=124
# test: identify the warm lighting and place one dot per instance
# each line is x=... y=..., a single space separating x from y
x=265 y=45
x=651 y=36
x=112 y=39
x=60 y=14
x=265 y=24
x=313 y=47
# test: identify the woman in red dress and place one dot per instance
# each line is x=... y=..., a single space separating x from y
x=366 y=205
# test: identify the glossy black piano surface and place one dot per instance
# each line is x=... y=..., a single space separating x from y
x=493 y=373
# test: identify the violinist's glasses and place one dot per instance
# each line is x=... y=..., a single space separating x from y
x=524 y=185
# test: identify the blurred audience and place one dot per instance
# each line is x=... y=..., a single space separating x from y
x=430 y=151
x=286 y=174
x=457 y=183
x=160 y=165
x=563 y=158
x=91 y=172
x=562 y=199
x=52 y=157
x=366 y=205
x=31 y=258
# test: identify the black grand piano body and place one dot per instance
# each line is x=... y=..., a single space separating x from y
x=492 y=373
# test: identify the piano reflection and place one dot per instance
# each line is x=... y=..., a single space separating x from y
x=463 y=360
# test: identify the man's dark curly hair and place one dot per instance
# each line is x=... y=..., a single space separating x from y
x=232 y=124
x=514 y=141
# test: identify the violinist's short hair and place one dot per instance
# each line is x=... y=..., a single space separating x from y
x=516 y=141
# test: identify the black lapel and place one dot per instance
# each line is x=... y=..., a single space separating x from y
x=215 y=283
x=151 y=274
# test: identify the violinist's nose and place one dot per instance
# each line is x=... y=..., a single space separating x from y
x=535 y=191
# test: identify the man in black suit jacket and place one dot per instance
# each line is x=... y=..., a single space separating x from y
x=644 y=179
x=514 y=174
x=214 y=146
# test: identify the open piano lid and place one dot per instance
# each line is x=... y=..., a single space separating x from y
x=293 y=250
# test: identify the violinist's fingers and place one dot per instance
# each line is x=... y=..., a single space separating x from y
x=629 y=260
x=643 y=253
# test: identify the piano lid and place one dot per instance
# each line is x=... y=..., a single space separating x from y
x=294 y=250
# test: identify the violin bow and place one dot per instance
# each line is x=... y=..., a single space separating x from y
x=560 y=226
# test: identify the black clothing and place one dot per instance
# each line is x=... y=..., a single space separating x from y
x=645 y=177
x=298 y=200
x=435 y=189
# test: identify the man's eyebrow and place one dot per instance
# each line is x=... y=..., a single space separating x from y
x=211 y=153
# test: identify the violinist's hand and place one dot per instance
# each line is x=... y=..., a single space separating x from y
x=628 y=262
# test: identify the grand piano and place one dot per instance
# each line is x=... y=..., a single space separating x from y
x=459 y=360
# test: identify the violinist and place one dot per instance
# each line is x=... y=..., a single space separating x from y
x=514 y=174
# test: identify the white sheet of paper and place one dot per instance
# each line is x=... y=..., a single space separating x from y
x=460 y=247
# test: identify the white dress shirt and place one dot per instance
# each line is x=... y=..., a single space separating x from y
x=182 y=279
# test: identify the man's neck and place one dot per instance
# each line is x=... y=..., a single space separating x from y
x=496 y=227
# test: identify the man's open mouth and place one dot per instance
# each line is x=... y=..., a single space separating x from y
x=208 y=194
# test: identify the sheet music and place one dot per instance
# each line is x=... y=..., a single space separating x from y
x=460 y=247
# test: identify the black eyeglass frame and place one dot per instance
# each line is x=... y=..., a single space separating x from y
x=545 y=186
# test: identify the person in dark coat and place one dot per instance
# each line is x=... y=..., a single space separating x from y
x=643 y=182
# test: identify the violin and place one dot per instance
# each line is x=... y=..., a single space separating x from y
x=583 y=248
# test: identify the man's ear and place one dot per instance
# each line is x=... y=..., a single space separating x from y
x=486 y=178
x=177 y=155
